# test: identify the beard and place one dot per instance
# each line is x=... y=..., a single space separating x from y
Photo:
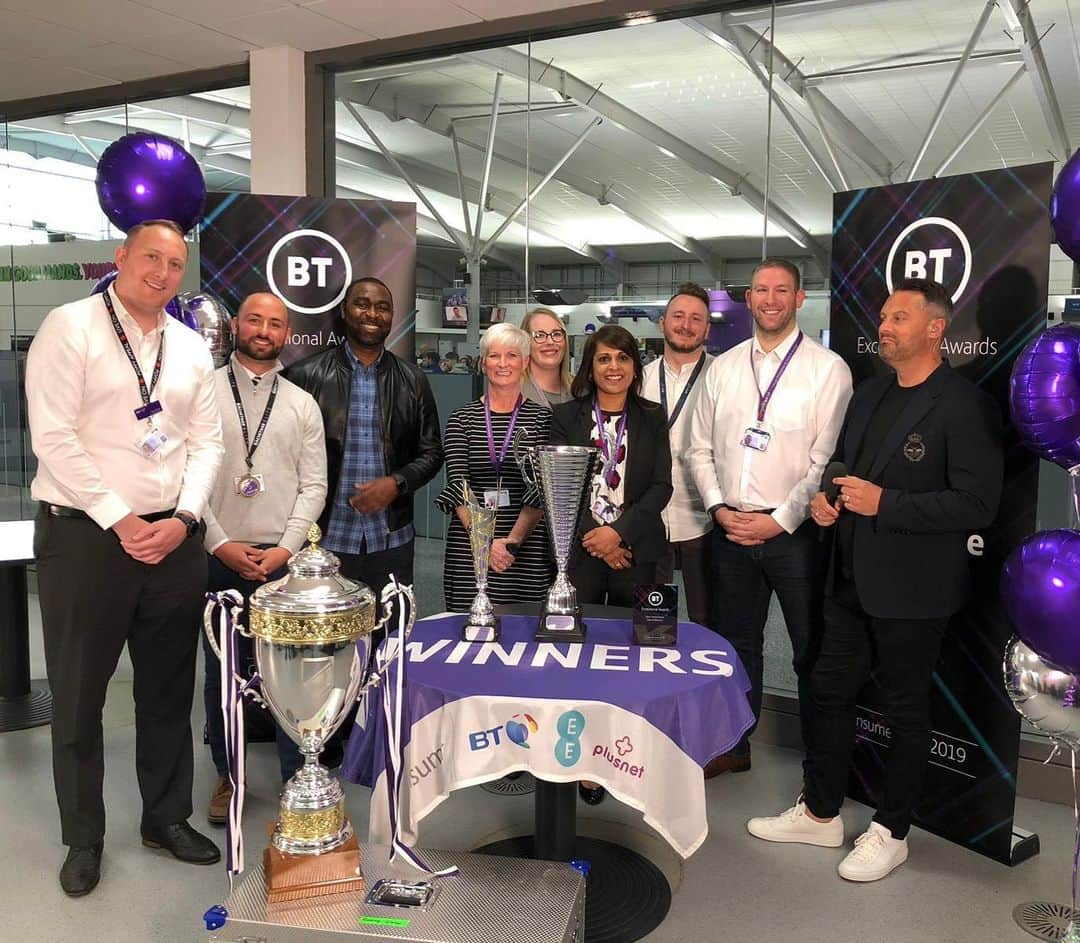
x=683 y=345
x=255 y=353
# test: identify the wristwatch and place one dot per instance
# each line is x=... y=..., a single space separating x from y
x=189 y=521
x=402 y=484
x=512 y=548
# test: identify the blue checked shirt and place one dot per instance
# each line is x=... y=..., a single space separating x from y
x=350 y=531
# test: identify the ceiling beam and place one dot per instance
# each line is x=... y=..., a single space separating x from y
x=1031 y=49
x=992 y=57
x=512 y=62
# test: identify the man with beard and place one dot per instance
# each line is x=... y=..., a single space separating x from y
x=383 y=440
x=272 y=486
x=673 y=381
x=764 y=426
x=923 y=446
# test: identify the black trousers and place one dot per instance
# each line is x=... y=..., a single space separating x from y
x=597 y=583
x=374 y=569
x=692 y=557
x=94 y=598
x=902 y=654
x=743 y=581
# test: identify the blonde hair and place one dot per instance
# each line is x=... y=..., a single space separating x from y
x=565 y=377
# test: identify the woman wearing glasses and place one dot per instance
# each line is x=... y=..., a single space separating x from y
x=547 y=374
x=478 y=445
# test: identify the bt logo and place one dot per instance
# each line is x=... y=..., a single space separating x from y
x=518 y=730
x=309 y=270
x=568 y=747
x=933 y=247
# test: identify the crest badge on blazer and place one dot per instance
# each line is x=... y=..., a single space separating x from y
x=914 y=448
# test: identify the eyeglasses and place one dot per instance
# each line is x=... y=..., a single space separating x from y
x=558 y=335
x=382 y=307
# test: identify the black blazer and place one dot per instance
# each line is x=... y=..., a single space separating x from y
x=412 y=444
x=648 y=471
x=941 y=467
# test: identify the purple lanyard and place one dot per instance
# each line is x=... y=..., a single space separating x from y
x=763 y=398
x=611 y=458
x=498 y=459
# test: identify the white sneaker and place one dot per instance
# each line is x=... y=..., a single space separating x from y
x=795 y=825
x=876 y=853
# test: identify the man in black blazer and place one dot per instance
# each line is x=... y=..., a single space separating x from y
x=923 y=452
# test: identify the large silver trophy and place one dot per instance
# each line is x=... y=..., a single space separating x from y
x=562 y=473
x=312 y=633
x=482 y=624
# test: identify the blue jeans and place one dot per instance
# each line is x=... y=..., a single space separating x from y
x=744 y=579
x=289 y=757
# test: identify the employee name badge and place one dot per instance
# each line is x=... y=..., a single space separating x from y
x=151 y=438
x=497 y=498
x=756 y=438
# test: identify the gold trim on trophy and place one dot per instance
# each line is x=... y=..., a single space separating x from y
x=318 y=825
x=326 y=628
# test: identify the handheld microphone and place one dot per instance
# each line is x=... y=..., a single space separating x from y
x=832 y=471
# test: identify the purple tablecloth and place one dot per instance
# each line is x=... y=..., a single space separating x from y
x=641 y=721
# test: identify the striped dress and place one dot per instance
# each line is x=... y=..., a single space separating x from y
x=466 y=448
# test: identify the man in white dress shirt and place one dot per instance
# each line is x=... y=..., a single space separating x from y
x=272 y=487
x=675 y=380
x=127 y=434
x=764 y=427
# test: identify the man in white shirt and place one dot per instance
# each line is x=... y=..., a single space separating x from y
x=675 y=381
x=126 y=430
x=763 y=429
x=271 y=488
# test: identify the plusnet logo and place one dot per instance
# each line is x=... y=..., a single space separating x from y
x=615 y=754
x=518 y=730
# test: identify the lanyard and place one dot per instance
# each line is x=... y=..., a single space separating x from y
x=611 y=451
x=498 y=458
x=763 y=398
x=250 y=449
x=144 y=391
x=685 y=393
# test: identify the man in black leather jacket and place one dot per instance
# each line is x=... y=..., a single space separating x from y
x=383 y=439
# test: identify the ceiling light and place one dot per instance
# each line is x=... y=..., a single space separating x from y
x=652 y=84
x=664 y=151
x=639 y=20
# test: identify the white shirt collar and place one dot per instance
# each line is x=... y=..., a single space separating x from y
x=125 y=318
x=278 y=366
x=780 y=350
x=684 y=368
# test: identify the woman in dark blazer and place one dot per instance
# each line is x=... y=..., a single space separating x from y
x=622 y=533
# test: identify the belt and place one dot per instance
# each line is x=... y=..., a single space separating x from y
x=58 y=510
x=754 y=511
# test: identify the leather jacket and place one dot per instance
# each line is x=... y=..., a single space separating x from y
x=412 y=443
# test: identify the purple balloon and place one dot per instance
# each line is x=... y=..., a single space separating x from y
x=104 y=282
x=1044 y=393
x=1040 y=589
x=176 y=309
x=149 y=176
x=1065 y=208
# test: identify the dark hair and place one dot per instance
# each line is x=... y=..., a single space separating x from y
x=790 y=267
x=610 y=335
x=694 y=290
x=168 y=224
x=366 y=279
x=933 y=293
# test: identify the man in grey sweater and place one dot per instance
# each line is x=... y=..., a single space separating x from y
x=271 y=487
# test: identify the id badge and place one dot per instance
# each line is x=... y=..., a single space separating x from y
x=757 y=439
x=249 y=485
x=497 y=498
x=151 y=442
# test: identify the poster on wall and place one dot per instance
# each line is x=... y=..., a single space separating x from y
x=307 y=250
x=986 y=237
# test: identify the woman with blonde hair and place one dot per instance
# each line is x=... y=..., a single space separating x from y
x=547 y=374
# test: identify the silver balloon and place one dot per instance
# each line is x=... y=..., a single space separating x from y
x=1046 y=696
x=214 y=322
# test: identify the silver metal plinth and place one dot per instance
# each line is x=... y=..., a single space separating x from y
x=492 y=900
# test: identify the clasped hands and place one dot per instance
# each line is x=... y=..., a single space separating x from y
x=856 y=495
x=605 y=544
x=251 y=562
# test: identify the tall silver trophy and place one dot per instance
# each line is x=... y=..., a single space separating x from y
x=312 y=634
x=482 y=624
x=562 y=473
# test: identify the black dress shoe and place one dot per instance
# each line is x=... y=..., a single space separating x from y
x=183 y=842
x=82 y=870
x=593 y=795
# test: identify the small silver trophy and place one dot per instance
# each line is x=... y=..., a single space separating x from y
x=482 y=624
x=562 y=473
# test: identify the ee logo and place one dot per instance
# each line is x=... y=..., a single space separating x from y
x=568 y=747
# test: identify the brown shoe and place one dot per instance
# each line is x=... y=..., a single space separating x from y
x=726 y=763
x=217 y=813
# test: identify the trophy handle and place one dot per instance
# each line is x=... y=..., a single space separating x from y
x=229 y=600
x=405 y=595
x=523 y=458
